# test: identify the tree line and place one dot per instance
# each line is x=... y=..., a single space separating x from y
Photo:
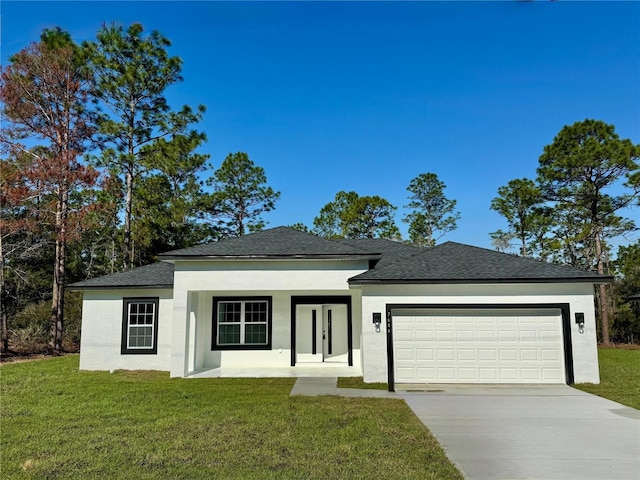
x=587 y=179
x=99 y=174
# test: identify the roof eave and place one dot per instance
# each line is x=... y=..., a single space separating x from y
x=432 y=281
x=366 y=256
x=81 y=288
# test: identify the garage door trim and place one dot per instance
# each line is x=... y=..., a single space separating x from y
x=563 y=307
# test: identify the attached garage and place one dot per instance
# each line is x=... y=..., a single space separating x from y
x=478 y=344
x=466 y=315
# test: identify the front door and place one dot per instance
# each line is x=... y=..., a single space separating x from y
x=321 y=331
x=334 y=333
x=309 y=334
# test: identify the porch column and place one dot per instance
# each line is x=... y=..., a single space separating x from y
x=192 y=327
x=180 y=332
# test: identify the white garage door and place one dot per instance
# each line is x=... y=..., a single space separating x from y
x=478 y=346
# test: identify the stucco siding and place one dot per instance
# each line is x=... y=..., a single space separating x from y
x=100 y=344
x=266 y=275
x=578 y=296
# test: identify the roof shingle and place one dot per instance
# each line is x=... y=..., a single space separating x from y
x=275 y=242
x=156 y=275
x=396 y=262
x=453 y=262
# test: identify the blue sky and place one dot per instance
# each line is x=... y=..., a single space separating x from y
x=364 y=96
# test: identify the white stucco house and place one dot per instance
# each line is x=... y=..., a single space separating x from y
x=290 y=301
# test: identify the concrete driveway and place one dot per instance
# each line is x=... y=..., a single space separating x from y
x=531 y=432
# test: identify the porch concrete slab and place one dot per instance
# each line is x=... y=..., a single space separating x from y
x=542 y=432
x=282 y=372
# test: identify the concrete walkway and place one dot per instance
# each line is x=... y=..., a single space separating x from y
x=541 y=432
x=311 y=386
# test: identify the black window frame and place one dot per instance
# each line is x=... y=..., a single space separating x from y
x=214 y=326
x=124 y=348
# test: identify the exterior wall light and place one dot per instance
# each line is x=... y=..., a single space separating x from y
x=580 y=322
x=377 y=320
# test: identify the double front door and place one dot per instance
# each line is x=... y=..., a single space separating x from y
x=321 y=333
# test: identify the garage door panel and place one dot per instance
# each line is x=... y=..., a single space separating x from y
x=508 y=355
x=446 y=374
x=467 y=373
x=548 y=336
x=486 y=320
x=445 y=335
x=465 y=336
x=404 y=335
x=478 y=346
x=487 y=354
x=487 y=375
x=528 y=336
x=405 y=374
x=548 y=355
x=508 y=375
x=425 y=335
x=467 y=354
x=426 y=374
x=425 y=354
x=552 y=375
x=506 y=336
x=445 y=320
x=446 y=354
x=405 y=354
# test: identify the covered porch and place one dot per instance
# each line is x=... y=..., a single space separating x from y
x=300 y=334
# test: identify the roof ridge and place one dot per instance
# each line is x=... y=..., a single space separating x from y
x=273 y=242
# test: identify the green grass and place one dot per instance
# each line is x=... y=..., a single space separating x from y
x=58 y=422
x=619 y=376
x=358 y=382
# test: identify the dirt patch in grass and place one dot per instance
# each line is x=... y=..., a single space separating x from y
x=16 y=357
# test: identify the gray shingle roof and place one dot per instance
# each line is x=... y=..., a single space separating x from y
x=457 y=263
x=396 y=262
x=156 y=275
x=389 y=250
x=276 y=242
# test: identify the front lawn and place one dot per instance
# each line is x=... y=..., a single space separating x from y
x=619 y=376
x=58 y=422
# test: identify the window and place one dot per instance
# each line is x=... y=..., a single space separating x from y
x=241 y=323
x=140 y=325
